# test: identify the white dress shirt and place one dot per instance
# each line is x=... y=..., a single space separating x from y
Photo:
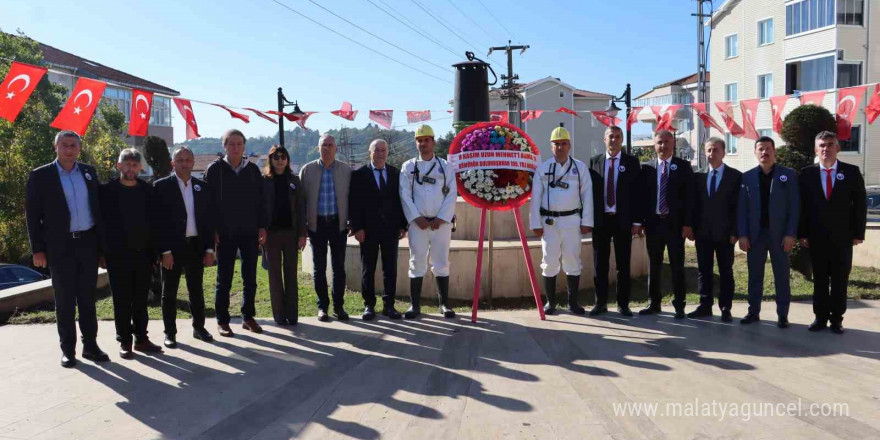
x=186 y=190
x=616 y=175
x=823 y=176
x=383 y=172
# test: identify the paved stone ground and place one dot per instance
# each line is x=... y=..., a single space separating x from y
x=509 y=376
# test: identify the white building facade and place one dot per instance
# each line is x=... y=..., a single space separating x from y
x=689 y=130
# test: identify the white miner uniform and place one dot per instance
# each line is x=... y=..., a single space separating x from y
x=420 y=198
x=562 y=238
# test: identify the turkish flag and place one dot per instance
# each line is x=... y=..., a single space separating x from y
x=568 y=110
x=848 y=101
x=727 y=116
x=141 y=109
x=528 y=115
x=80 y=106
x=633 y=117
x=749 y=109
x=185 y=109
x=382 y=117
x=777 y=106
x=235 y=114
x=665 y=115
x=500 y=116
x=418 y=116
x=346 y=112
x=20 y=82
x=302 y=121
x=606 y=119
x=703 y=114
x=262 y=115
x=289 y=116
x=872 y=110
x=814 y=98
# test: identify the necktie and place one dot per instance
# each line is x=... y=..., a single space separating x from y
x=713 y=183
x=382 y=182
x=610 y=184
x=828 y=183
x=664 y=181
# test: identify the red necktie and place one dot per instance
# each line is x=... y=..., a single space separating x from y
x=828 y=182
x=610 y=183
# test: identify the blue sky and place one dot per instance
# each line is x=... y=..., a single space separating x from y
x=239 y=52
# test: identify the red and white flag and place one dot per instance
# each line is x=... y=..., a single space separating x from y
x=302 y=121
x=777 y=106
x=20 y=82
x=235 y=114
x=262 y=115
x=568 y=110
x=633 y=117
x=703 y=114
x=499 y=116
x=382 y=117
x=418 y=116
x=606 y=119
x=141 y=110
x=872 y=110
x=289 y=116
x=726 y=110
x=185 y=109
x=749 y=109
x=814 y=98
x=848 y=101
x=80 y=106
x=528 y=115
x=665 y=115
x=346 y=112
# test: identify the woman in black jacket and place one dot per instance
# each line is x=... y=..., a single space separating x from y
x=285 y=202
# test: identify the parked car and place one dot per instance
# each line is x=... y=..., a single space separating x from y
x=12 y=275
x=873 y=206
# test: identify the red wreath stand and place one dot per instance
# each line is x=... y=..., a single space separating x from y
x=459 y=145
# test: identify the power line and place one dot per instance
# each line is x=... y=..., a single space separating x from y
x=435 y=17
x=496 y=18
x=359 y=43
x=428 y=37
x=477 y=25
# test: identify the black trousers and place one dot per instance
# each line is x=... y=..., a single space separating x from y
x=130 y=273
x=832 y=263
x=74 y=271
x=707 y=252
x=387 y=240
x=189 y=261
x=282 y=252
x=328 y=233
x=246 y=246
x=659 y=237
x=602 y=238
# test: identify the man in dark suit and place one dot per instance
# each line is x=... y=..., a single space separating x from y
x=377 y=221
x=717 y=196
x=668 y=183
x=767 y=220
x=64 y=228
x=833 y=216
x=185 y=242
x=616 y=203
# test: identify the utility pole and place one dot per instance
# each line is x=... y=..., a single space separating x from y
x=702 y=73
x=510 y=84
x=345 y=147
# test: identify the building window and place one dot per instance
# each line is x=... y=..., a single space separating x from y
x=765 y=86
x=119 y=98
x=852 y=144
x=765 y=132
x=807 y=15
x=562 y=94
x=730 y=46
x=849 y=74
x=161 y=114
x=815 y=74
x=765 y=32
x=731 y=142
x=850 y=12
x=730 y=93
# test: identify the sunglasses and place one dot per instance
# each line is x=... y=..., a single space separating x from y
x=278 y=156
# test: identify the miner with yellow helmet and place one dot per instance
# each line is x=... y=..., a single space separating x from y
x=561 y=211
x=428 y=193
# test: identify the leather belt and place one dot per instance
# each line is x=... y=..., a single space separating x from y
x=81 y=234
x=547 y=213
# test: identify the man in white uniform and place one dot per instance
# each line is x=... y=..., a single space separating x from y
x=428 y=193
x=561 y=210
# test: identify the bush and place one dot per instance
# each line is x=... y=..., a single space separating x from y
x=157 y=156
x=801 y=126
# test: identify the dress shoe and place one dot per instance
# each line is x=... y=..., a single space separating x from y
x=145 y=346
x=94 y=354
x=650 y=310
x=68 y=361
x=818 y=325
x=447 y=312
x=391 y=313
x=340 y=315
x=726 y=316
x=202 y=335
x=225 y=330
x=625 y=311
x=749 y=318
x=412 y=313
x=170 y=341
x=368 y=314
x=125 y=351
x=252 y=326
x=598 y=310
x=700 y=312
x=549 y=308
x=782 y=322
x=323 y=316
x=679 y=314
x=837 y=328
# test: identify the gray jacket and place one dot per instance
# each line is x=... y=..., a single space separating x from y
x=310 y=175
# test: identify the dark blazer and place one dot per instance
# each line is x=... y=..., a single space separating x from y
x=628 y=197
x=171 y=222
x=238 y=198
x=715 y=218
x=115 y=230
x=371 y=210
x=784 y=206
x=297 y=195
x=680 y=194
x=47 y=216
x=841 y=219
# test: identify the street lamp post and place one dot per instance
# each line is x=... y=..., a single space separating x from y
x=283 y=102
x=612 y=110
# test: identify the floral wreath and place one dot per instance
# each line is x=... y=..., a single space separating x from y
x=500 y=188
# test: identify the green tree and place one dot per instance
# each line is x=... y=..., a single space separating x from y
x=157 y=155
x=104 y=140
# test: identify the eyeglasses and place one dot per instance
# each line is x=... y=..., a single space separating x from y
x=278 y=156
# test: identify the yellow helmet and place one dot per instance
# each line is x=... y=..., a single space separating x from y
x=424 y=130
x=560 y=134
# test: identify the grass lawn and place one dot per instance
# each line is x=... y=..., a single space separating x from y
x=864 y=284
